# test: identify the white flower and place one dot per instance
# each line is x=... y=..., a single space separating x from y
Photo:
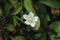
x=30 y=19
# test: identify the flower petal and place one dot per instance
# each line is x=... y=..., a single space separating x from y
x=27 y=22
x=35 y=18
x=25 y=16
x=31 y=14
x=33 y=24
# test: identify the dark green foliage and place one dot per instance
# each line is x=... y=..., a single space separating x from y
x=12 y=26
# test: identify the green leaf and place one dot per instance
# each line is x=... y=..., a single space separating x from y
x=53 y=37
x=15 y=21
x=19 y=8
x=54 y=26
x=58 y=34
x=48 y=18
x=10 y=27
x=0 y=12
x=18 y=38
x=53 y=4
x=19 y=19
x=13 y=3
x=36 y=36
x=28 y=5
x=58 y=30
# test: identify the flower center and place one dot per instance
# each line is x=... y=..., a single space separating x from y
x=30 y=19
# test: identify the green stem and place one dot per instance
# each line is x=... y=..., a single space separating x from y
x=22 y=21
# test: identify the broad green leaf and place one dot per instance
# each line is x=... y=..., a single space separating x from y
x=18 y=38
x=53 y=4
x=28 y=5
x=10 y=27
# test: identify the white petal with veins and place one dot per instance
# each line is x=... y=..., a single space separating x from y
x=35 y=18
x=33 y=24
x=31 y=14
x=25 y=16
x=27 y=22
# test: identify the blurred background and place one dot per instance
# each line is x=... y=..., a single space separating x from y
x=12 y=26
